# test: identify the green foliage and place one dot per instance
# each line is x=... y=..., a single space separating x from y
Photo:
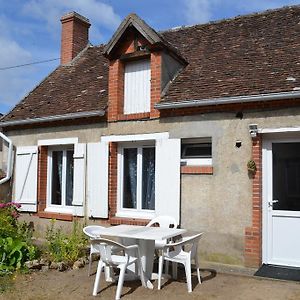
x=13 y=253
x=8 y=219
x=65 y=247
x=15 y=239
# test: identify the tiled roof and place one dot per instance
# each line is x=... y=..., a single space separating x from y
x=78 y=87
x=247 y=55
x=254 y=54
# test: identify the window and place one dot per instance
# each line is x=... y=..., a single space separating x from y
x=60 y=178
x=137 y=87
x=196 y=151
x=136 y=181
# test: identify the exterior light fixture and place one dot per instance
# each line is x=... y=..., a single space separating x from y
x=253 y=130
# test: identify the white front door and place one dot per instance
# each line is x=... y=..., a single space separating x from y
x=281 y=202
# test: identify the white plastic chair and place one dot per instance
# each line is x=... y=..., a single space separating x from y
x=164 y=222
x=178 y=253
x=107 y=259
x=92 y=232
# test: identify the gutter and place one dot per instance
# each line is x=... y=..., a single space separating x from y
x=9 y=159
x=228 y=100
x=89 y=114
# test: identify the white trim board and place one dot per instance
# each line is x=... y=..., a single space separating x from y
x=135 y=137
x=279 y=130
x=63 y=141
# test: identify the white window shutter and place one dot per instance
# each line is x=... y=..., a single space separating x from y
x=167 y=178
x=79 y=179
x=26 y=178
x=97 y=179
x=137 y=87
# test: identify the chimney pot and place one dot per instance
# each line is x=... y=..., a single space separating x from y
x=74 y=35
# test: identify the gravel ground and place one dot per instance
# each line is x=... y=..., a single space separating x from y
x=76 y=284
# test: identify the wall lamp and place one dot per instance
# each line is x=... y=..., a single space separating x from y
x=253 y=130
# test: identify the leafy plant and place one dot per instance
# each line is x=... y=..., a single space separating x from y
x=8 y=219
x=15 y=239
x=65 y=247
x=14 y=252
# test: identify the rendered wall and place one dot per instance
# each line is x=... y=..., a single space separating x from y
x=219 y=204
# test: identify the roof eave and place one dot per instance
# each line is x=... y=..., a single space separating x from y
x=70 y=116
x=228 y=100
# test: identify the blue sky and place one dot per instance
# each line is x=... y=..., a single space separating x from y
x=30 y=30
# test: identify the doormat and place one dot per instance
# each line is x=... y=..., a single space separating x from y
x=278 y=272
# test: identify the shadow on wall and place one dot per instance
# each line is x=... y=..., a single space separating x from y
x=5 y=192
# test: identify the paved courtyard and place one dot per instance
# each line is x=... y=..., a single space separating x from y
x=76 y=284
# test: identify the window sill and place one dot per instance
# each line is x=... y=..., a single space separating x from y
x=205 y=170
x=128 y=221
x=59 y=210
x=137 y=116
x=57 y=216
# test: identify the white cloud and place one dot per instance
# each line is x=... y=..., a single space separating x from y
x=49 y=11
x=12 y=82
x=197 y=11
x=202 y=11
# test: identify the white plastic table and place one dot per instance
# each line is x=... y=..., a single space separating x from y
x=145 y=237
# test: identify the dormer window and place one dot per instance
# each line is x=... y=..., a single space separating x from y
x=137 y=76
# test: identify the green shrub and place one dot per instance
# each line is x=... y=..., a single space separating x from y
x=65 y=247
x=15 y=239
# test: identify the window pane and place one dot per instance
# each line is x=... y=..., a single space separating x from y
x=69 y=178
x=196 y=151
x=148 y=179
x=286 y=176
x=57 y=157
x=129 y=178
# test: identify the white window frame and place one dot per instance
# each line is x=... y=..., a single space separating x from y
x=63 y=208
x=132 y=212
x=196 y=161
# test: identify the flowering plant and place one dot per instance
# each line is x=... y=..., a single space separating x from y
x=8 y=218
x=15 y=239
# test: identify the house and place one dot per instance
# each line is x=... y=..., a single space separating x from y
x=156 y=123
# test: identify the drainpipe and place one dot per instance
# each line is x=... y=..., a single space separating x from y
x=9 y=159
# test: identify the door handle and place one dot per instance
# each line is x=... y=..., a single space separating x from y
x=272 y=202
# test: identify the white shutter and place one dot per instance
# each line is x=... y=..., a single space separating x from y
x=26 y=178
x=137 y=87
x=167 y=178
x=79 y=179
x=97 y=179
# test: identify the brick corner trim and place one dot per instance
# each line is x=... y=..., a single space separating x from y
x=253 y=234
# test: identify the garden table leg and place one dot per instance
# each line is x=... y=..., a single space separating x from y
x=147 y=248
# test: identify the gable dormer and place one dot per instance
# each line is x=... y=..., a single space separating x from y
x=141 y=65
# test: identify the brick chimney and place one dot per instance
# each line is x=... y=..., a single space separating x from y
x=74 y=36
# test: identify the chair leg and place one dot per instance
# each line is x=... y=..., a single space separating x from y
x=142 y=274
x=188 y=274
x=198 y=269
x=120 y=282
x=160 y=267
x=98 y=276
x=90 y=264
x=174 y=270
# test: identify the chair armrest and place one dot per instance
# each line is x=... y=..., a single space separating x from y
x=132 y=247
